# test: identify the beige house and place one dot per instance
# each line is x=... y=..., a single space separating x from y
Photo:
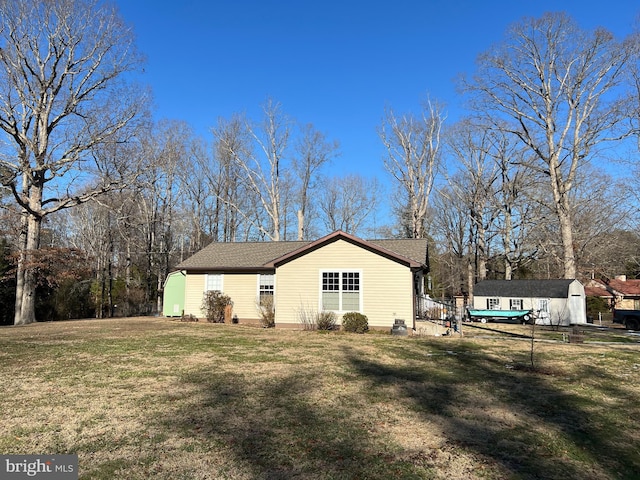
x=340 y=272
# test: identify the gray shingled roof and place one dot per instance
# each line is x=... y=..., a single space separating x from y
x=555 y=288
x=413 y=249
x=237 y=255
x=255 y=255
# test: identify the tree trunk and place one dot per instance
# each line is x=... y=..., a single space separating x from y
x=300 y=225
x=560 y=189
x=470 y=278
x=566 y=235
x=17 y=318
x=27 y=311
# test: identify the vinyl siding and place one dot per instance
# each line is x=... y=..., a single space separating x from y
x=386 y=285
x=242 y=288
x=194 y=291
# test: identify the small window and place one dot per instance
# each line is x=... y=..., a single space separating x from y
x=266 y=286
x=214 y=282
x=515 y=304
x=493 y=304
x=543 y=305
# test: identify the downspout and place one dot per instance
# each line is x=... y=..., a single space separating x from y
x=415 y=301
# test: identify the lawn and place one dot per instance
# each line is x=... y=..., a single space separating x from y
x=149 y=398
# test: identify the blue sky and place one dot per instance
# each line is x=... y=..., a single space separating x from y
x=335 y=64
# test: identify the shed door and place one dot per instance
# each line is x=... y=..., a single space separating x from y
x=576 y=309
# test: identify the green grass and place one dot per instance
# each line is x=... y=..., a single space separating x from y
x=154 y=398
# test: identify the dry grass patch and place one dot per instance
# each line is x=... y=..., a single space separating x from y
x=153 y=398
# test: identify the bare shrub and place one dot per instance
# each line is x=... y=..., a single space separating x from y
x=326 y=320
x=215 y=304
x=307 y=317
x=267 y=310
x=188 y=318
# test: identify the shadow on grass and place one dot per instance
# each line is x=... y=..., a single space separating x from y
x=524 y=421
x=283 y=427
x=483 y=326
x=296 y=422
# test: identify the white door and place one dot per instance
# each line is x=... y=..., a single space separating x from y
x=577 y=309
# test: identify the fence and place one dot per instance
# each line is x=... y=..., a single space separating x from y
x=432 y=309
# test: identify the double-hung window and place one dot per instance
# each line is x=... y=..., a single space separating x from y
x=266 y=286
x=213 y=282
x=341 y=291
x=515 y=304
x=493 y=304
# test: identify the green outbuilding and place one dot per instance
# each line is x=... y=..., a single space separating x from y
x=173 y=298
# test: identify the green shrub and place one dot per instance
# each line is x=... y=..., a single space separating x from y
x=215 y=304
x=355 y=322
x=326 y=320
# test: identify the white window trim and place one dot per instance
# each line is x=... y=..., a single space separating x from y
x=258 y=284
x=341 y=271
x=514 y=300
x=206 y=281
x=498 y=304
x=547 y=304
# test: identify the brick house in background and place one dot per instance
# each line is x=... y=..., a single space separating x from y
x=619 y=291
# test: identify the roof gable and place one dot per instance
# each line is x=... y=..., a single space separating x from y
x=410 y=252
x=256 y=256
x=554 y=288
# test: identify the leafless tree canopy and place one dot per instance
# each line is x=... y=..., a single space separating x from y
x=513 y=189
x=64 y=107
x=560 y=90
x=413 y=158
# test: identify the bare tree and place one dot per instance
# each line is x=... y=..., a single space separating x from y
x=313 y=150
x=473 y=187
x=225 y=172
x=166 y=149
x=600 y=208
x=265 y=175
x=517 y=210
x=413 y=158
x=451 y=234
x=62 y=101
x=199 y=204
x=346 y=202
x=557 y=85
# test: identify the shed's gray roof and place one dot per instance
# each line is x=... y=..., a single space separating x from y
x=230 y=256
x=555 y=288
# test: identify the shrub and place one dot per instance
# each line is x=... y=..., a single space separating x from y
x=307 y=317
x=355 y=322
x=326 y=320
x=188 y=318
x=215 y=304
x=267 y=311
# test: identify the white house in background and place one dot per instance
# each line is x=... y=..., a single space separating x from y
x=556 y=302
x=381 y=279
